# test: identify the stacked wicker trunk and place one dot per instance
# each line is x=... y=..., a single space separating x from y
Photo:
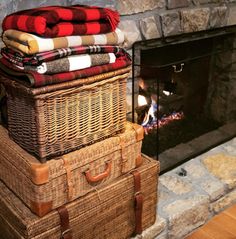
x=108 y=212
x=105 y=190
x=51 y=120
x=70 y=164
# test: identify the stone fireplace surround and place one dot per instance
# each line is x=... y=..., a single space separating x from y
x=198 y=196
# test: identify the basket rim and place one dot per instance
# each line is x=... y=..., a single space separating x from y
x=15 y=83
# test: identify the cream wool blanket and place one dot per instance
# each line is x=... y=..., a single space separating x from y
x=30 y=44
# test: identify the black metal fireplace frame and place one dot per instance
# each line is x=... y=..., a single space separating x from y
x=175 y=40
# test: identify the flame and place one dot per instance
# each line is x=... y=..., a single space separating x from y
x=167 y=93
x=150 y=116
x=150 y=120
x=142 y=100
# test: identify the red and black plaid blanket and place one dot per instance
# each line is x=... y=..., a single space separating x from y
x=35 y=79
x=57 y=21
x=38 y=58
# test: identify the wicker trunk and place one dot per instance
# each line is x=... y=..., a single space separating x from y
x=118 y=210
x=56 y=119
x=44 y=187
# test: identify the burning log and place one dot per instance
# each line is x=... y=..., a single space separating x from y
x=167 y=119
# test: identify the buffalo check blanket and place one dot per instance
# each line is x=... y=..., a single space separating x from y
x=30 y=44
x=34 y=79
x=37 y=59
x=57 y=21
x=71 y=63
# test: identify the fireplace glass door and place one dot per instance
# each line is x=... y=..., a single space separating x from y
x=174 y=88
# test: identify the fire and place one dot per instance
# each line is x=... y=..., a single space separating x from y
x=167 y=119
x=142 y=100
x=151 y=121
x=167 y=93
x=150 y=116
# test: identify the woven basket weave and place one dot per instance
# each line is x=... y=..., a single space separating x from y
x=109 y=212
x=44 y=187
x=53 y=120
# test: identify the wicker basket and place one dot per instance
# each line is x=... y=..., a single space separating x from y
x=44 y=187
x=53 y=120
x=116 y=211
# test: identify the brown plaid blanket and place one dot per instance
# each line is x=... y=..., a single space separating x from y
x=30 y=44
x=57 y=21
x=71 y=63
x=38 y=58
x=35 y=79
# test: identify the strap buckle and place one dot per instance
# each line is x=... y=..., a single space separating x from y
x=138 y=193
x=65 y=232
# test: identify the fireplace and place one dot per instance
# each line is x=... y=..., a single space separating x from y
x=182 y=87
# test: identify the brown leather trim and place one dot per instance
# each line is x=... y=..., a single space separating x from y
x=42 y=208
x=137 y=181
x=39 y=173
x=69 y=182
x=139 y=161
x=138 y=213
x=138 y=204
x=139 y=131
x=65 y=223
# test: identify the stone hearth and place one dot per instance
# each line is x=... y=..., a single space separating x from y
x=194 y=192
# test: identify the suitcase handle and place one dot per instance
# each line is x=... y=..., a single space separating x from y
x=99 y=177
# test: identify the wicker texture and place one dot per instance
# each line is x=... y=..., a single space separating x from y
x=107 y=212
x=61 y=120
x=43 y=187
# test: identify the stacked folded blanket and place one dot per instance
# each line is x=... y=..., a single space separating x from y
x=53 y=44
x=30 y=44
x=57 y=21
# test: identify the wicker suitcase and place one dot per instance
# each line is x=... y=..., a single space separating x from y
x=56 y=119
x=116 y=211
x=44 y=187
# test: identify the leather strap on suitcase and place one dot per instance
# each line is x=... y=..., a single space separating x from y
x=138 y=207
x=138 y=204
x=65 y=223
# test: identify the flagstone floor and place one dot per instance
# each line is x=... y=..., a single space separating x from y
x=191 y=194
